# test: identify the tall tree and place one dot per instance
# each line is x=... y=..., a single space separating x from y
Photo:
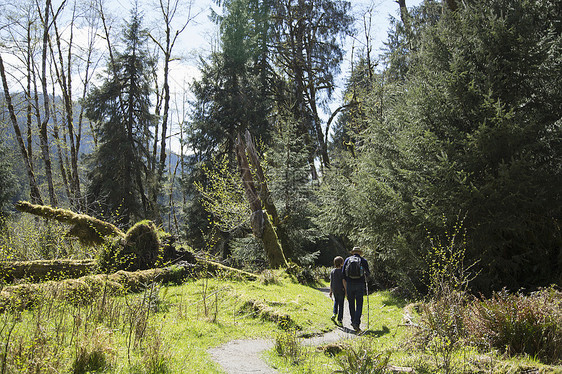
x=7 y=179
x=232 y=94
x=307 y=53
x=473 y=129
x=169 y=10
x=120 y=107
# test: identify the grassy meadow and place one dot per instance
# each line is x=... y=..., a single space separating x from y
x=128 y=323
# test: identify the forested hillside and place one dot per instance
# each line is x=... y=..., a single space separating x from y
x=445 y=153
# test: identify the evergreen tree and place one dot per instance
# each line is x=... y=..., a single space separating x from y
x=231 y=96
x=120 y=108
x=307 y=54
x=293 y=191
x=472 y=129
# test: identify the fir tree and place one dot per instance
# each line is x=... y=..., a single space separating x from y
x=120 y=108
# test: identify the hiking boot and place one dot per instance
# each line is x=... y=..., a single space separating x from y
x=334 y=319
x=339 y=323
x=356 y=328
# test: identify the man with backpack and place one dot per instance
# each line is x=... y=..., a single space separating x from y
x=355 y=271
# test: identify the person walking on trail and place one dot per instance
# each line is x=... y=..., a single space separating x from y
x=337 y=289
x=355 y=273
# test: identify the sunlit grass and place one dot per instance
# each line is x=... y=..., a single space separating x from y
x=165 y=328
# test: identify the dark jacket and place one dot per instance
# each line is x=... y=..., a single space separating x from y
x=366 y=270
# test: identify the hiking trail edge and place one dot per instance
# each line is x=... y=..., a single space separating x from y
x=244 y=355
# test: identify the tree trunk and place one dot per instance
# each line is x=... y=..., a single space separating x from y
x=65 y=83
x=261 y=220
x=43 y=135
x=35 y=193
x=88 y=229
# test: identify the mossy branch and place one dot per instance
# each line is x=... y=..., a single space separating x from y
x=87 y=229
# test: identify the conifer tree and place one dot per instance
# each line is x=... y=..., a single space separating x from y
x=231 y=96
x=120 y=108
x=471 y=129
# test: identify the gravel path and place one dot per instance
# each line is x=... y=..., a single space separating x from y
x=243 y=356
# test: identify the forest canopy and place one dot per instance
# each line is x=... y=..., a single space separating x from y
x=448 y=142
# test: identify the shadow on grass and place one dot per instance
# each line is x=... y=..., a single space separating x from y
x=376 y=333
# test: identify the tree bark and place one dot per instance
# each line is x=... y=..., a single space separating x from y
x=35 y=193
x=261 y=221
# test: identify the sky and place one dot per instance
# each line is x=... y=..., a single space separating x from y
x=200 y=35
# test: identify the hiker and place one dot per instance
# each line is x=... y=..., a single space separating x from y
x=355 y=271
x=337 y=289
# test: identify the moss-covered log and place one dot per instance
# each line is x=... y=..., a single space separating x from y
x=42 y=270
x=87 y=229
x=86 y=288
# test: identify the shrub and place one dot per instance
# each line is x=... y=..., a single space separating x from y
x=94 y=353
x=363 y=359
x=288 y=345
x=519 y=324
x=442 y=327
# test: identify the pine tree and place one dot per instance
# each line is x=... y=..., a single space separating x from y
x=471 y=129
x=120 y=107
x=231 y=96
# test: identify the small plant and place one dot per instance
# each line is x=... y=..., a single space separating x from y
x=94 y=353
x=268 y=277
x=288 y=345
x=362 y=359
x=441 y=328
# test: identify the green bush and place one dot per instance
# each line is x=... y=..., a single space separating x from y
x=519 y=324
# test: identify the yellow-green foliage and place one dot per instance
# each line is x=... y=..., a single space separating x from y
x=158 y=330
x=25 y=238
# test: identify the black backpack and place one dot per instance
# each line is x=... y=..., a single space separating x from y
x=354 y=269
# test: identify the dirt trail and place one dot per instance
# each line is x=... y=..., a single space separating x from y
x=243 y=356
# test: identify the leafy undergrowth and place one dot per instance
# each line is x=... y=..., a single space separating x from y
x=391 y=344
x=168 y=329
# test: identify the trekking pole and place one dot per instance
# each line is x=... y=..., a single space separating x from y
x=367 y=289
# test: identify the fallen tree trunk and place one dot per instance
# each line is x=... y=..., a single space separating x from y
x=85 y=289
x=38 y=271
x=87 y=229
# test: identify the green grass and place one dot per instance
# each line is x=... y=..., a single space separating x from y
x=158 y=333
x=388 y=333
x=170 y=329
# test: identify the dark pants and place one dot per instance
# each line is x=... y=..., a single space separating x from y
x=338 y=305
x=355 y=293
